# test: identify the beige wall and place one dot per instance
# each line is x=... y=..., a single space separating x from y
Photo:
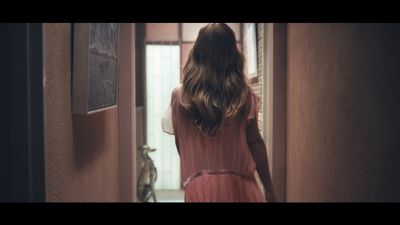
x=343 y=128
x=81 y=151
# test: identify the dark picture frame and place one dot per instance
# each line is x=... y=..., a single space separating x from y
x=95 y=67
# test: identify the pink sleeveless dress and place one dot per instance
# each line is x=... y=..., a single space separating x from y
x=218 y=168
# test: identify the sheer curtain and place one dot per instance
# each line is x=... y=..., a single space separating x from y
x=162 y=76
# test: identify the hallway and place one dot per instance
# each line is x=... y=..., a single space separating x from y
x=328 y=110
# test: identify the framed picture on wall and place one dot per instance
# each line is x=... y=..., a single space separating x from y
x=251 y=49
x=95 y=67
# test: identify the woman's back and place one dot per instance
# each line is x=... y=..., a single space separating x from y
x=220 y=167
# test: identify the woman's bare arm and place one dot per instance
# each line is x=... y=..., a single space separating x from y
x=259 y=153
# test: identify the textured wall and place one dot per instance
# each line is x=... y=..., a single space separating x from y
x=343 y=126
x=81 y=151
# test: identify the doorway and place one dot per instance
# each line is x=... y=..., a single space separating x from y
x=162 y=50
x=162 y=76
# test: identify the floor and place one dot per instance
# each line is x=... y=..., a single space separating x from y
x=170 y=196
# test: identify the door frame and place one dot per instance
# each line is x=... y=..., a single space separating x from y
x=126 y=113
x=23 y=155
x=275 y=87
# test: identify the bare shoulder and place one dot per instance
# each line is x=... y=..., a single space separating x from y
x=176 y=90
x=178 y=87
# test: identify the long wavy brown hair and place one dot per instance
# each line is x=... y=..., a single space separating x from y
x=214 y=85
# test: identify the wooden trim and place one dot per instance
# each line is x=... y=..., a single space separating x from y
x=80 y=66
x=126 y=113
x=102 y=109
x=276 y=105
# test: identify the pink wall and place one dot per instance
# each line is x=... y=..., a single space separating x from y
x=81 y=151
x=343 y=131
x=164 y=32
x=191 y=30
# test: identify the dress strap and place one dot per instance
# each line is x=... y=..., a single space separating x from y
x=215 y=172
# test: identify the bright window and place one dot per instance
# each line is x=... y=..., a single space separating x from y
x=163 y=70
